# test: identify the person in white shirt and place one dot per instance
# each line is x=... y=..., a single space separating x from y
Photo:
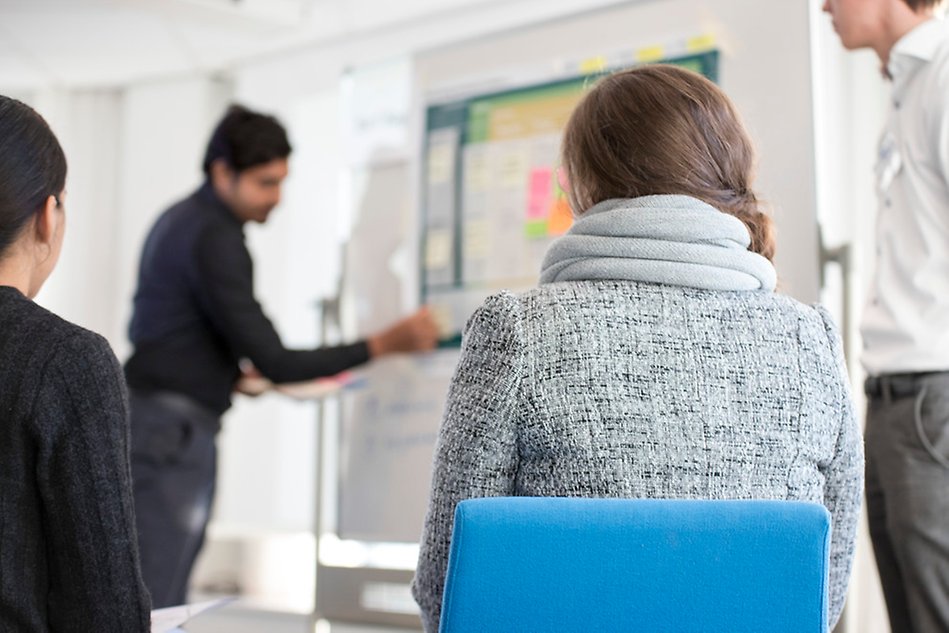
x=906 y=321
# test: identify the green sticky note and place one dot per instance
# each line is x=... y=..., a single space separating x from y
x=534 y=229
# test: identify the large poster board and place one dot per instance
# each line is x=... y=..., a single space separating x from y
x=492 y=200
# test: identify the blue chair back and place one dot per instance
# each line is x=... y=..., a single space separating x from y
x=640 y=565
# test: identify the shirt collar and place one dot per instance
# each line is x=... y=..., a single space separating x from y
x=919 y=45
x=206 y=192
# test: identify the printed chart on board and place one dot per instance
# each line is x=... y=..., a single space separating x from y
x=492 y=200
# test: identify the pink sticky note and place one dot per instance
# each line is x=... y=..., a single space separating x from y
x=538 y=193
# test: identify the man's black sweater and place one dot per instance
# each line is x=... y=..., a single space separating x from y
x=196 y=316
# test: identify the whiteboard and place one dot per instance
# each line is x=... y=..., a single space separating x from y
x=492 y=203
x=388 y=433
x=765 y=67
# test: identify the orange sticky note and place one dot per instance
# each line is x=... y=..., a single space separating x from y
x=561 y=219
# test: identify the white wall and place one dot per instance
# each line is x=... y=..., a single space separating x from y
x=163 y=130
x=268 y=445
x=83 y=287
x=130 y=152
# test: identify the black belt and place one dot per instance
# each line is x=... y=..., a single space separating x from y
x=900 y=385
x=182 y=405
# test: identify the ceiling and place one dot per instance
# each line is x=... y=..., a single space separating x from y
x=86 y=43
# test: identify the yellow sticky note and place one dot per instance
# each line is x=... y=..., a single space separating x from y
x=442 y=316
x=650 y=54
x=701 y=42
x=477 y=238
x=478 y=176
x=513 y=165
x=593 y=65
x=440 y=163
x=437 y=249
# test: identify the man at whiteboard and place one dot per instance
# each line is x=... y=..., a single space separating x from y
x=905 y=326
x=195 y=320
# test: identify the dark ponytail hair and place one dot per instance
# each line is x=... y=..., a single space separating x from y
x=32 y=168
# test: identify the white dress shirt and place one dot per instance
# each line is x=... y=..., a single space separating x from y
x=906 y=321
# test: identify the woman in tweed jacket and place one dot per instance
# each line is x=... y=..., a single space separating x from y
x=655 y=359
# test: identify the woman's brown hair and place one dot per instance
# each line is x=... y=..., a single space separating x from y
x=662 y=129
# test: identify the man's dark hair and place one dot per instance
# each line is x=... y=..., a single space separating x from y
x=919 y=5
x=245 y=139
x=32 y=167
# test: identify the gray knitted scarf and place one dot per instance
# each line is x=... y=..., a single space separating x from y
x=666 y=239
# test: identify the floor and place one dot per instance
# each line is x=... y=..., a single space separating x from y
x=235 y=619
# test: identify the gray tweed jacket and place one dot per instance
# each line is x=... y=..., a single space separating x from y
x=627 y=389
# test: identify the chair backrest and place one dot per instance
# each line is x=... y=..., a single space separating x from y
x=639 y=565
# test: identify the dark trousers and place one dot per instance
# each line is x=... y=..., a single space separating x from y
x=173 y=470
x=907 y=461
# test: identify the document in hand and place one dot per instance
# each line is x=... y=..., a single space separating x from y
x=321 y=387
x=169 y=619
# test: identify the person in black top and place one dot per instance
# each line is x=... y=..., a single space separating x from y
x=195 y=321
x=68 y=555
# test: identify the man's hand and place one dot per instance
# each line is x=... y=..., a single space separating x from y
x=415 y=333
x=252 y=382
